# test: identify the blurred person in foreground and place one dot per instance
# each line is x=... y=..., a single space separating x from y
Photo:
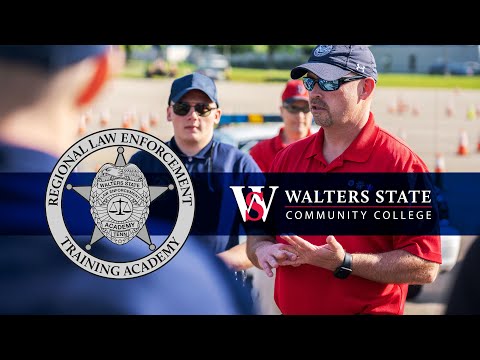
x=194 y=110
x=464 y=298
x=44 y=90
x=297 y=122
x=345 y=274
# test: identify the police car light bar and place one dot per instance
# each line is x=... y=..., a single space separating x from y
x=249 y=118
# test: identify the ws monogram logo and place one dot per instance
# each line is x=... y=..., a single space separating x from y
x=255 y=200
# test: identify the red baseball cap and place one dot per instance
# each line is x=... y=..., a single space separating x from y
x=294 y=91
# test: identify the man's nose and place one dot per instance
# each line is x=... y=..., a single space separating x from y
x=316 y=90
x=192 y=114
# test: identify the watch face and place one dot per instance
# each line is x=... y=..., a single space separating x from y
x=342 y=272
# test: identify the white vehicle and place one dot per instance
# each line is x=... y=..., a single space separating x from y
x=245 y=135
x=450 y=246
x=215 y=66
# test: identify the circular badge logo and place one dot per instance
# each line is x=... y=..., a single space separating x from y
x=119 y=199
x=322 y=50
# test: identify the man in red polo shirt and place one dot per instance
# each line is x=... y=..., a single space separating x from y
x=297 y=121
x=345 y=274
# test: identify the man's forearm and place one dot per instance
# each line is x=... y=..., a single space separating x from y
x=236 y=258
x=253 y=243
x=394 y=267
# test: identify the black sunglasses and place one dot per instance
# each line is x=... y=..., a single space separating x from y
x=182 y=109
x=328 y=85
x=296 y=109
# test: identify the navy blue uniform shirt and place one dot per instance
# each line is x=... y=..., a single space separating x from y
x=212 y=170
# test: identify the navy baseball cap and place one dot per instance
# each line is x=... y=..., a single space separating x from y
x=331 y=62
x=50 y=57
x=195 y=81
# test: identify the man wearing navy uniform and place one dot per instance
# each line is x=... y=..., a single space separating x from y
x=193 y=108
x=44 y=90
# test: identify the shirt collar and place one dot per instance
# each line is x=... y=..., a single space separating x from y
x=358 y=151
x=277 y=141
x=202 y=154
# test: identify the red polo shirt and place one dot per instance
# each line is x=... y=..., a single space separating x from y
x=265 y=151
x=309 y=289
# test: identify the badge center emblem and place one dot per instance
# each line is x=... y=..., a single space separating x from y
x=120 y=199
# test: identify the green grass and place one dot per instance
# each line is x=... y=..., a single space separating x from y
x=259 y=75
x=384 y=80
x=429 y=81
x=136 y=69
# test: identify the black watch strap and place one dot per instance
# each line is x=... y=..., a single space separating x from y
x=347 y=260
x=344 y=270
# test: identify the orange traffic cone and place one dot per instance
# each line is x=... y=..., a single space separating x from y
x=402 y=106
x=415 y=111
x=133 y=117
x=153 y=119
x=104 y=118
x=449 y=109
x=463 y=145
x=439 y=163
x=82 y=125
x=478 y=143
x=144 y=125
x=127 y=121
x=392 y=108
x=88 y=116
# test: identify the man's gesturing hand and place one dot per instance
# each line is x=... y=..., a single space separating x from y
x=328 y=256
x=272 y=256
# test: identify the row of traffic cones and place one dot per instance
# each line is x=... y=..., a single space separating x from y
x=128 y=120
x=400 y=107
x=463 y=144
x=472 y=113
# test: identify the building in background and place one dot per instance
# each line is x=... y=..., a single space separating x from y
x=424 y=58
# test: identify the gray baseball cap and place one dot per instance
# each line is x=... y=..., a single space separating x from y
x=331 y=62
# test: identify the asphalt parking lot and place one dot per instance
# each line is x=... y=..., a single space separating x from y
x=430 y=120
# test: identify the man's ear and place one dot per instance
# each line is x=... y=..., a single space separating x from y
x=169 y=113
x=218 y=115
x=96 y=82
x=369 y=86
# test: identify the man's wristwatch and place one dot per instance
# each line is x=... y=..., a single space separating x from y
x=344 y=270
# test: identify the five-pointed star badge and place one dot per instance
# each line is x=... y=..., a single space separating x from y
x=86 y=193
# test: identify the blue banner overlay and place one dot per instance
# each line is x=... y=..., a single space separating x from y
x=323 y=204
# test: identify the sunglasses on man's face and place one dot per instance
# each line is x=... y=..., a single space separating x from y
x=328 y=85
x=182 y=109
x=296 y=109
